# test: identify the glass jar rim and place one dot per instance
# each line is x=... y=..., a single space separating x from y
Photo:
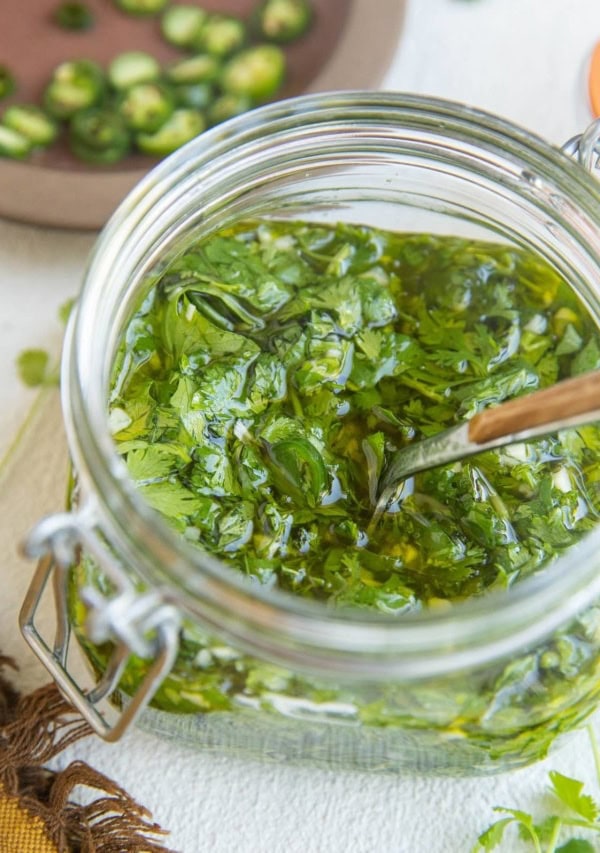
x=272 y=623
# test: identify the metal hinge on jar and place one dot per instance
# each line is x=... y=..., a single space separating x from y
x=144 y=624
x=585 y=147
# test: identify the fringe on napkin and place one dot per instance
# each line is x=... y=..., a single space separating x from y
x=34 y=729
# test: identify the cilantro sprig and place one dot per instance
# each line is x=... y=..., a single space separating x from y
x=574 y=811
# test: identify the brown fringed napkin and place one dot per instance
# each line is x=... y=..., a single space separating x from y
x=36 y=813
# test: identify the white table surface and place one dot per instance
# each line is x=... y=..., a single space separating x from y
x=524 y=60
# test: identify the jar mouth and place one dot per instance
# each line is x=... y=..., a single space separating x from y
x=269 y=622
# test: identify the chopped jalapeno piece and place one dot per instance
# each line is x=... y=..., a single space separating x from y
x=74 y=86
x=13 y=144
x=256 y=72
x=183 y=125
x=141 y=7
x=99 y=136
x=146 y=106
x=199 y=96
x=227 y=106
x=282 y=20
x=32 y=122
x=73 y=16
x=221 y=35
x=7 y=82
x=133 y=67
x=202 y=68
x=181 y=25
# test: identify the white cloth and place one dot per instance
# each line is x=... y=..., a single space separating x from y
x=523 y=59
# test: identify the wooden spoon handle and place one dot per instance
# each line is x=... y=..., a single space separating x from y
x=570 y=397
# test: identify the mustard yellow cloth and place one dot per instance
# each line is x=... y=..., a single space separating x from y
x=21 y=832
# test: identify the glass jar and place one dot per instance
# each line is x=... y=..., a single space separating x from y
x=469 y=690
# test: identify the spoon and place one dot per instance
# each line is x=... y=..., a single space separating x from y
x=566 y=404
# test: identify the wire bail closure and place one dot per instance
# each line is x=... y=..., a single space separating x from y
x=585 y=147
x=144 y=624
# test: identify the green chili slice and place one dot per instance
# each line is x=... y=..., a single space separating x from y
x=181 y=25
x=282 y=21
x=221 y=35
x=8 y=83
x=182 y=126
x=74 y=86
x=13 y=144
x=73 y=15
x=198 y=96
x=133 y=67
x=257 y=72
x=99 y=136
x=227 y=106
x=32 y=122
x=201 y=68
x=146 y=106
x=141 y=7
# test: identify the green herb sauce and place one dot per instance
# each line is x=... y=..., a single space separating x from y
x=258 y=394
x=274 y=369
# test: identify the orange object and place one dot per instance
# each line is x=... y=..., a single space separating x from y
x=594 y=81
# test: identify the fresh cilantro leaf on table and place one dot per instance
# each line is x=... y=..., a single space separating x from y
x=576 y=811
x=34 y=366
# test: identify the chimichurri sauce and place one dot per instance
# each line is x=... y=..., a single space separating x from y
x=267 y=378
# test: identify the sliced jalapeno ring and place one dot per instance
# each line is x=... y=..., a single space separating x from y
x=13 y=144
x=141 y=7
x=282 y=21
x=31 y=122
x=182 y=126
x=74 y=86
x=257 y=72
x=202 y=68
x=73 y=15
x=132 y=67
x=8 y=84
x=181 y=25
x=221 y=35
x=146 y=106
x=198 y=96
x=227 y=106
x=99 y=136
